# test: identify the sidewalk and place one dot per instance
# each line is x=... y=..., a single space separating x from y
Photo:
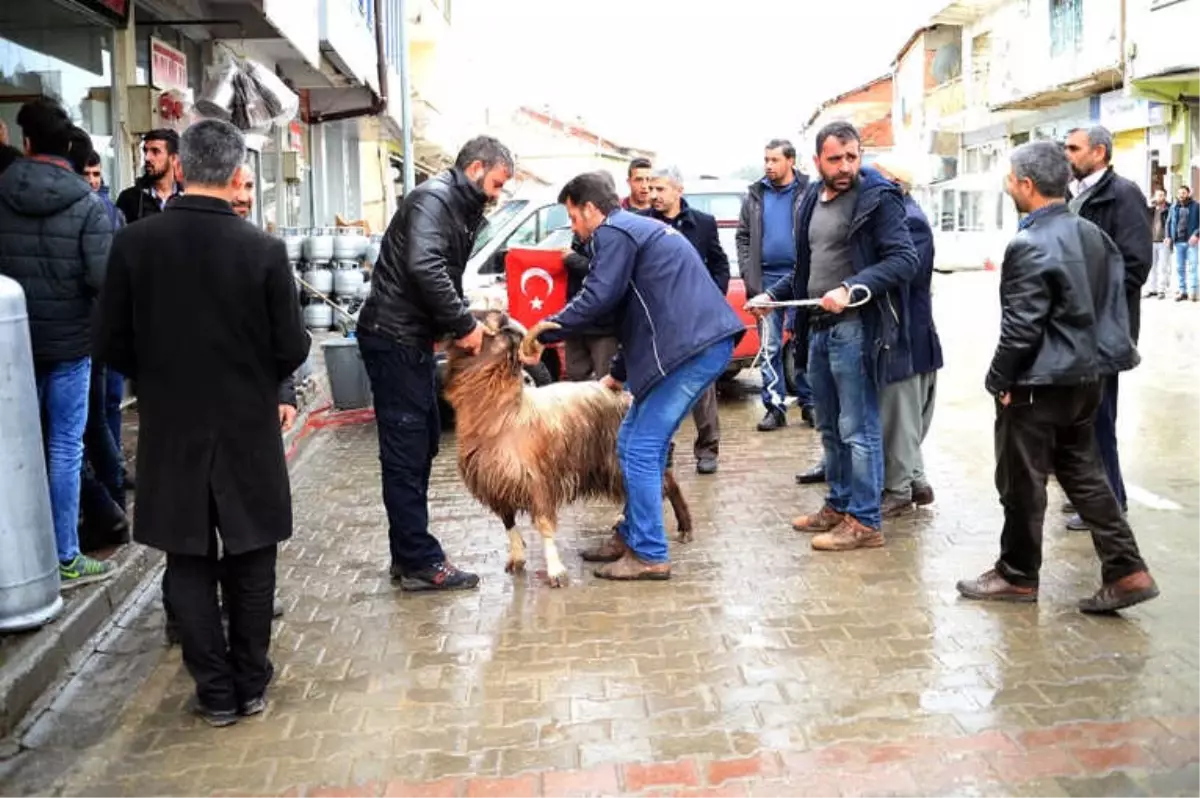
x=31 y=662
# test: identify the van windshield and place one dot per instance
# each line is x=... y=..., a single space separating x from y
x=496 y=221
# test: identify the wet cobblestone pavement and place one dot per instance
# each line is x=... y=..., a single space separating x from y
x=761 y=668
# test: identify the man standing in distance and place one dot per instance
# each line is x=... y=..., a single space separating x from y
x=1063 y=330
x=417 y=298
x=639 y=186
x=766 y=247
x=219 y=482
x=158 y=184
x=1117 y=206
x=850 y=349
x=666 y=193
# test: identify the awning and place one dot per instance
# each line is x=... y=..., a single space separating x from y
x=1099 y=81
x=1168 y=87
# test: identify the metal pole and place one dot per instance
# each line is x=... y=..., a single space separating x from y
x=410 y=176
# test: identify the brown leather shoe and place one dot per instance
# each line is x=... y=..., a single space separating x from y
x=608 y=551
x=629 y=568
x=847 y=536
x=823 y=520
x=991 y=586
x=1125 y=592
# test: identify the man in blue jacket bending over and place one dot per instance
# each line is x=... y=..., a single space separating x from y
x=677 y=334
x=852 y=244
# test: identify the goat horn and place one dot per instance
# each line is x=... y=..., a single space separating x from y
x=530 y=347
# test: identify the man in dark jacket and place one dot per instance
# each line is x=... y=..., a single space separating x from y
x=677 y=335
x=1117 y=206
x=417 y=298
x=1183 y=235
x=851 y=235
x=1063 y=329
x=158 y=184
x=666 y=194
x=54 y=241
x=193 y=291
x=906 y=401
x=766 y=250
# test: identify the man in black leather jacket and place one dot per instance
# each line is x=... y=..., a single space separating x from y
x=417 y=298
x=1064 y=329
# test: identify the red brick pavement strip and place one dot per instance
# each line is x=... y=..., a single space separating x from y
x=921 y=766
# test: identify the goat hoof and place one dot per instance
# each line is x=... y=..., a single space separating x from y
x=685 y=536
x=514 y=566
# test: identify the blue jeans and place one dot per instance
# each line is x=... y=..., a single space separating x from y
x=774 y=384
x=114 y=392
x=848 y=420
x=1183 y=253
x=63 y=395
x=645 y=439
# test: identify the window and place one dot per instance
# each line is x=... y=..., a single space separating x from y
x=947 y=215
x=496 y=222
x=1066 y=27
x=970 y=211
x=725 y=207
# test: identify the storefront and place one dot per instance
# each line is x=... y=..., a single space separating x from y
x=1131 y=120
x=64 y=50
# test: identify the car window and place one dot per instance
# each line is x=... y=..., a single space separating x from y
x=552 y=217
x=725 y=207
x=496 y=221
x=526 y=235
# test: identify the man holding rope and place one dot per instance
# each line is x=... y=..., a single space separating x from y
x=853 y=251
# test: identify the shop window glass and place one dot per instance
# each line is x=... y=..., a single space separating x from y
x=49 y=50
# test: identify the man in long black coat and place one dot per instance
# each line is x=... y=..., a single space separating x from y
x=199 y=308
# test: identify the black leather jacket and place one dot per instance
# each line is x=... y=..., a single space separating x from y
x=1064 y=320
x=416 y=286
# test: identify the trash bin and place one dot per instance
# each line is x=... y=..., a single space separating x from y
x=348 y=381
x=29 y=583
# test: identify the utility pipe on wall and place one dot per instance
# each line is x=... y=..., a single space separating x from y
x=410 y=177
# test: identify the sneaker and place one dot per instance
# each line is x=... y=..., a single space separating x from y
x=773 y=419
x=441 y=576
x=217 y=718
x=823 y=520
x=83 y=570
x=255 y=706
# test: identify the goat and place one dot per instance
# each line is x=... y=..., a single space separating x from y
x=534 y=450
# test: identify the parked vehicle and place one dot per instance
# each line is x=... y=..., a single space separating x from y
x=538 y=221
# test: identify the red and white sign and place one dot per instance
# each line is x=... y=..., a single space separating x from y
x=537 y=284
x=168 y=66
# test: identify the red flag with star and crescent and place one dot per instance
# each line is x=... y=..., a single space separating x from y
x=537 y=284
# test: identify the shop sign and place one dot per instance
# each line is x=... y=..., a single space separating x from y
x=295 y=136
x=168 y=66
x=114 y=10
x=1118 y=112
x=298 y=21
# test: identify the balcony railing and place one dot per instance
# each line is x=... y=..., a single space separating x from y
x=946 y=99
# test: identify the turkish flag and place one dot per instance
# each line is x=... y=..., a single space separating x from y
x=537 y=284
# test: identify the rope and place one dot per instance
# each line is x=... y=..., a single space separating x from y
x=764 y=336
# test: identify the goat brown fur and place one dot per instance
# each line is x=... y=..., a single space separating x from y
x=534 y=450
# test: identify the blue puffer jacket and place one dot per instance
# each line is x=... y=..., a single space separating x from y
x=656 y=283
x=884 y=261
x=917 y=301
x=54 y=240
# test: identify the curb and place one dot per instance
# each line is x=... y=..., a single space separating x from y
x=32 y=662
x=31 y=665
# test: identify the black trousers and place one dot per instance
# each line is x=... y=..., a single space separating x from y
x=228 y=670
x=1106 y=439
x=1046 y=428
x=404 y=384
